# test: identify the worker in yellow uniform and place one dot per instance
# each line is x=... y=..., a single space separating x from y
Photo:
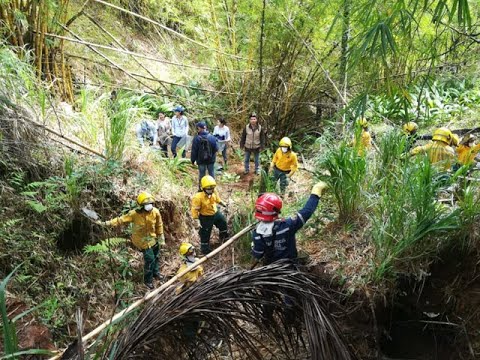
x=187 y=253
x=284 y=163
x=410 y=130
x=205 y=213
x=147 y=234
x=362 y=141
x=467 y=151
x=439 y=151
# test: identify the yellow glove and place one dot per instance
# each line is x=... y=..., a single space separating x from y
x=318 y=188
x=161 y=240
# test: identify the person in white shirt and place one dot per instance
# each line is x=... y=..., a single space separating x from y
x=222 y=133
x=146 y=130
x=179 y=130
x=164 y=131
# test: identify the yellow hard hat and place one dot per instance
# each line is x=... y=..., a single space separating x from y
x=362 y=122
x=285 y=142
x=207 y=182
x=442 y=134
x=410 y=127
x=145 y=198
x=185 y=248
x=455 y=140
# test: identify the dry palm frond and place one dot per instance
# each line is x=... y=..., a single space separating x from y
x=275 y=310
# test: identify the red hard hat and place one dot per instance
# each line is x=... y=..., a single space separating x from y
x=267 y=207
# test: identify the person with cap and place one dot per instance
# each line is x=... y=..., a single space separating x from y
x=179 y=130
x=284 y=163
x=222 y=133
x=362 y=140
x=252 y=141
x=467 y=151
x=146 y=131
x=164 y=131
x=147 y=234
x=205 y=213
x=204 y=152
x=274 y=238
x=410 y=130
x=439 y=151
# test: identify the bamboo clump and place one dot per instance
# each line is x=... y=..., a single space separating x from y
x=29 y=35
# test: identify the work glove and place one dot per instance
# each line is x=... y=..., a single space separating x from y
x=197 y=224
x=101 y=223
x=161 y=240
x=318 y=188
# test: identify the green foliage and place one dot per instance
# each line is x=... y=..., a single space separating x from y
x=347 y=177
x=105 y=245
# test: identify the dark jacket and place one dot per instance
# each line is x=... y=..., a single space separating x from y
x=258 y=138
x=282 y=243
x=194 y=156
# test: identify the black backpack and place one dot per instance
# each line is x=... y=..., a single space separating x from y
x=205 y=152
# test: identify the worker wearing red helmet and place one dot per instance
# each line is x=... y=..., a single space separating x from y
x=274 y=238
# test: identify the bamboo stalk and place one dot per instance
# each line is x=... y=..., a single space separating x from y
x=155 y=292
x=182 y=36
x=110 y=61
x=148 y=57
x=54 y=132
x=154 y=79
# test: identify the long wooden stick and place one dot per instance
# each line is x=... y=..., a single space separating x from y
x=46 y=128
x=167 y=29
x=155 y=292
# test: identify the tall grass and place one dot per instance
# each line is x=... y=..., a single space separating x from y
x=347 y=176
x=407 y=221
x=116 y=129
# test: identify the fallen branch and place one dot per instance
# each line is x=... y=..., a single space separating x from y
x=155 y=292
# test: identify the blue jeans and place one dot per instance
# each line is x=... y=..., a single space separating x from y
x=175 y=141
x=256 y=154
x=202 y=170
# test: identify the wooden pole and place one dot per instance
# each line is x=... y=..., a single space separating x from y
x=155 y=292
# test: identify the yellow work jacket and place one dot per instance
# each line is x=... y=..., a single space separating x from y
x=204 y=205
x=466 y=154
x=365 y=142
x=285 y=161
x=147 y=226
x=438 y=153
x=189 y=278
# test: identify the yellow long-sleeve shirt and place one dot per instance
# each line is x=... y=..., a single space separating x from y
x=204 y=205
x=364 y=144
x=438 y=153
x=189 y=278
x=147 y=226
x=285 y=161
x=466 y=154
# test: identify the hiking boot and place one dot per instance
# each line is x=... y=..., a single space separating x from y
x=158 y=276
x=257 y=172
x=205 y=248
x=150 y=286
x=246 y=172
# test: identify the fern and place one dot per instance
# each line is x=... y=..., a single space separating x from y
x=104 y=246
